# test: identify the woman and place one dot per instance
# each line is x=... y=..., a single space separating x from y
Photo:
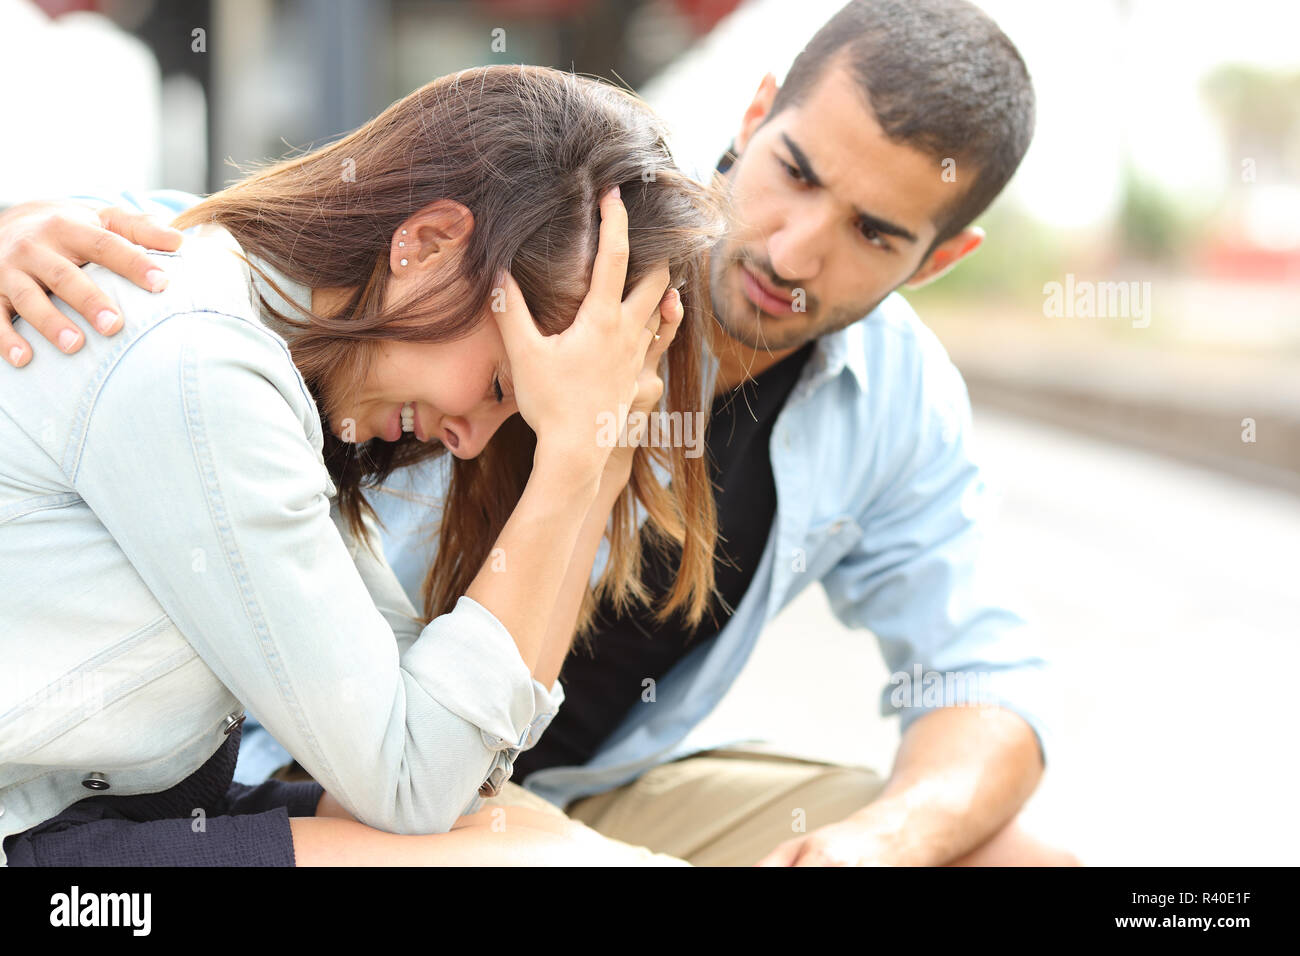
x=166 y=524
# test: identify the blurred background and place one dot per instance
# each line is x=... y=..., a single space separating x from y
x=1130 y=333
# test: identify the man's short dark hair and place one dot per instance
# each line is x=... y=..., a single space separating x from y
x=940 y=77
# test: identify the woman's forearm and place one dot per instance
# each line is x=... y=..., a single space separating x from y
x=564 y=619
x=521 y=580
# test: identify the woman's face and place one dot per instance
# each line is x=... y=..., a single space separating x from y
x=449 y=387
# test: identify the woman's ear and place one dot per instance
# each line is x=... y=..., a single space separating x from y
x=431 y=238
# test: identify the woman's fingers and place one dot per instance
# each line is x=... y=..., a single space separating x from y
x=670 y=316
x=650 y=386
x=646 y=296
x=609 y=271
x=518 y=331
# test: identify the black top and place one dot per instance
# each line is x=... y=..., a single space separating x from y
x=603 y=682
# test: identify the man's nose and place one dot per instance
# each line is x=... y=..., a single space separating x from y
x=797 y=251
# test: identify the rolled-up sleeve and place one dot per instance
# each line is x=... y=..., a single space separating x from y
x=204 y=430
x=919 y=578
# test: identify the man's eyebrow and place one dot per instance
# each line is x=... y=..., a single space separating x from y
x=866 y=218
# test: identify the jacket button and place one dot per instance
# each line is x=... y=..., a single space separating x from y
x=95 y=781
x=232 y=722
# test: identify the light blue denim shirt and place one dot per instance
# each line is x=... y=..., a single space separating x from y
x=172 y=554
x=880 y=498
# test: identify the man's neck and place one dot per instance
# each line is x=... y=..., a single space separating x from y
x=737 y=362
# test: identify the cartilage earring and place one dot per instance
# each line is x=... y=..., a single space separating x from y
x=403 y=262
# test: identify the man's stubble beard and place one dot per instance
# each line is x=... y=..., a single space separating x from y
x=758 y=333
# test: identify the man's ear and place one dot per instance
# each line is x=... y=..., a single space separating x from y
x=756 y=112
x=435 y=234
x=945 y=256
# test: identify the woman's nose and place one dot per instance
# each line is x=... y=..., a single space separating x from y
x=472 y=434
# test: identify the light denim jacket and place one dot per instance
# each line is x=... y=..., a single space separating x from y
x=880 y=498
x=171 y=555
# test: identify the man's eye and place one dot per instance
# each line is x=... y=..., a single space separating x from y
x=792 y=171
x=874 y=236
x=496 y=387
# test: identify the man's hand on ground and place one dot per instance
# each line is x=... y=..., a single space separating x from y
x=847 y=843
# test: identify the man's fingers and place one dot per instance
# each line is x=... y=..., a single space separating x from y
x=12 y=345
x=29 y=300
x=783 y=855
x=610 y=269
x=141 y=229
x=74 y=287
x=108 y=249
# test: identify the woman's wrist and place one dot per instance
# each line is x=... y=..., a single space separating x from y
x=580 y=469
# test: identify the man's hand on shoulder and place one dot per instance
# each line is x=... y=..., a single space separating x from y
x=42 y=247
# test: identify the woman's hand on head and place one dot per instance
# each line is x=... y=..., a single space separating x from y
x=42 y=246
x=650 y=387
x=575 y=388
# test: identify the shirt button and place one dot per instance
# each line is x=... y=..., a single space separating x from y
x=95 y=781
x=232 y=722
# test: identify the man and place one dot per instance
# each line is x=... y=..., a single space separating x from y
x=839 y=442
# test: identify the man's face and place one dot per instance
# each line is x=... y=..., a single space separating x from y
x=829 y=215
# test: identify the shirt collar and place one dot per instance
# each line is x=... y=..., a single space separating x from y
x=831 y=355
x=295 y=294
x=835 y=351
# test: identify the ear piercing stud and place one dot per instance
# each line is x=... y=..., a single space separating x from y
x=403 y=262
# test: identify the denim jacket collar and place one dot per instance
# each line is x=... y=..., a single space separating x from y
x=296 y=296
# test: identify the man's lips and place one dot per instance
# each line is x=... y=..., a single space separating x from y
x=764 y=296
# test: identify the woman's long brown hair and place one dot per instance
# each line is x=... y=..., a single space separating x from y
x=528 y=151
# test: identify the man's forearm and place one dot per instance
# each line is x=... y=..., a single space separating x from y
x=961 y=774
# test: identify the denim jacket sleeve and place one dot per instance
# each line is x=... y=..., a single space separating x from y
x=393 y=603
x=202 y=458
x=918 y=578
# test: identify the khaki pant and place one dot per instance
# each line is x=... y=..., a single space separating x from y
x=718 y=808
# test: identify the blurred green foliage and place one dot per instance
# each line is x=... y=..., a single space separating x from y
x=1018 y=255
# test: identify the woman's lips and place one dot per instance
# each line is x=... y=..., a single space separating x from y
x=761 y=297
x=392 y=430
x=393 y=427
